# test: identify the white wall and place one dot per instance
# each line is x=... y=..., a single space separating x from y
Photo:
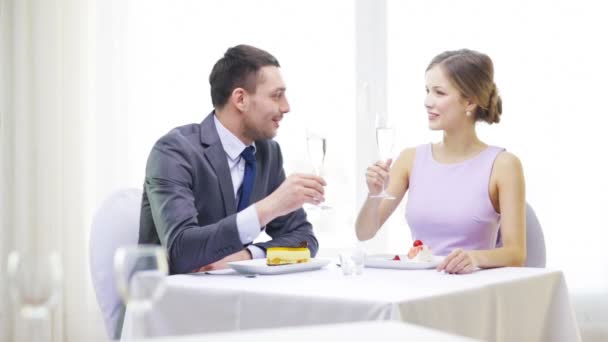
x=550 y=68
x=170 y=48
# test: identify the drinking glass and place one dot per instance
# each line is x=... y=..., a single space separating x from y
x=140 y=276
x=352 y=262
x=35 y=286
x=358 y=258
x=385 y=135
x=317 y=148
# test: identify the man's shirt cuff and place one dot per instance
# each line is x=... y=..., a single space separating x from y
x=248 y=224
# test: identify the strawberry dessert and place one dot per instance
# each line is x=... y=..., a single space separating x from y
x=418 y=253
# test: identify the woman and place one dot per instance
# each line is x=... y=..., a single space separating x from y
x=460 y=189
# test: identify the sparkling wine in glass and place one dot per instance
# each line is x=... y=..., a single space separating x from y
x=317 y=148
x=140 y=273
x=385 y=136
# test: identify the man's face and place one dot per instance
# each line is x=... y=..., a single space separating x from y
x=266 y=106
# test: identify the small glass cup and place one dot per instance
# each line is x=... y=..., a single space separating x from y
x=358 y=258
x=352 y=263
x=346 y=264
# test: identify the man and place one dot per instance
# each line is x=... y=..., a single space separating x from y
x=211 y=188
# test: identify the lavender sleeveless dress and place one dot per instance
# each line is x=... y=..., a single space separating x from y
x=449 y=205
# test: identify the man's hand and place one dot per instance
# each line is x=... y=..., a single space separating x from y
x=243 y=254
x=296 y=190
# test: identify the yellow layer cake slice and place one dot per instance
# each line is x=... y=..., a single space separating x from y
x=287 y=255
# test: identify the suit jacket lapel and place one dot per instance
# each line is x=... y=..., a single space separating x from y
x=216 y=156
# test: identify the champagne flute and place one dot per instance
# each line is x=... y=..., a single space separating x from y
x=140 y=275
x=35 y=287
x=385 y=135
x=317 y=148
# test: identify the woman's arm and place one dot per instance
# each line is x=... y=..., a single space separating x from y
x=375 y=211
x=512 y=202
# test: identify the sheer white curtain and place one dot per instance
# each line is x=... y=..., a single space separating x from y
x=5 y=237
x=5 y=316
x=45 y=121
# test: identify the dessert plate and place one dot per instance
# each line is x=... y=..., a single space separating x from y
x=386 y=261
x=258 y=266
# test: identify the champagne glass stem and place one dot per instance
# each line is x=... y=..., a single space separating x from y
x=36 y=325
x=139 y=323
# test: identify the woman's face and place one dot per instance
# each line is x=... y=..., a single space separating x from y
x=445 y=106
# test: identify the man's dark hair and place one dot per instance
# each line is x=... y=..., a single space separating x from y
x=237 y=69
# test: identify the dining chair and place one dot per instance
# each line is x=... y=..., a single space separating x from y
x=536 y=254
x=115 y=224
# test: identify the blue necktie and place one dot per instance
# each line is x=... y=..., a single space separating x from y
x=248 y=179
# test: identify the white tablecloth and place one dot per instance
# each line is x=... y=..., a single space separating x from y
x=504 y=304
x=389 y=331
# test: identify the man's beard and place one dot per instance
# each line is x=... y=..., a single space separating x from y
x=254 y=133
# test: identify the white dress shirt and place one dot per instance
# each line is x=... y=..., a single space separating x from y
x=247 y=221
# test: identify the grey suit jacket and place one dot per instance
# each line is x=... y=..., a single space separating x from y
x=188 y=203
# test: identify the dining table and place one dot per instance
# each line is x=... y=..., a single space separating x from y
x=499 y=304
x=391 y=331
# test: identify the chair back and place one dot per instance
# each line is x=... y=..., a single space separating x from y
x=115 y=224
x=536 y=254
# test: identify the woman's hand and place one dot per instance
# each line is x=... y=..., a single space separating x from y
x=377 y=176
x=458 y=262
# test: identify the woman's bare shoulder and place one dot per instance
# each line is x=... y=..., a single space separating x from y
x=507 y=161
x=508 y=167
x=408 y=154
x=406 y=159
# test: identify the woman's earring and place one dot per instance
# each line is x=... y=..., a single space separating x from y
x=468 y=113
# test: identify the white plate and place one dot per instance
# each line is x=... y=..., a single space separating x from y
x=386 y=261
x=258 y=266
